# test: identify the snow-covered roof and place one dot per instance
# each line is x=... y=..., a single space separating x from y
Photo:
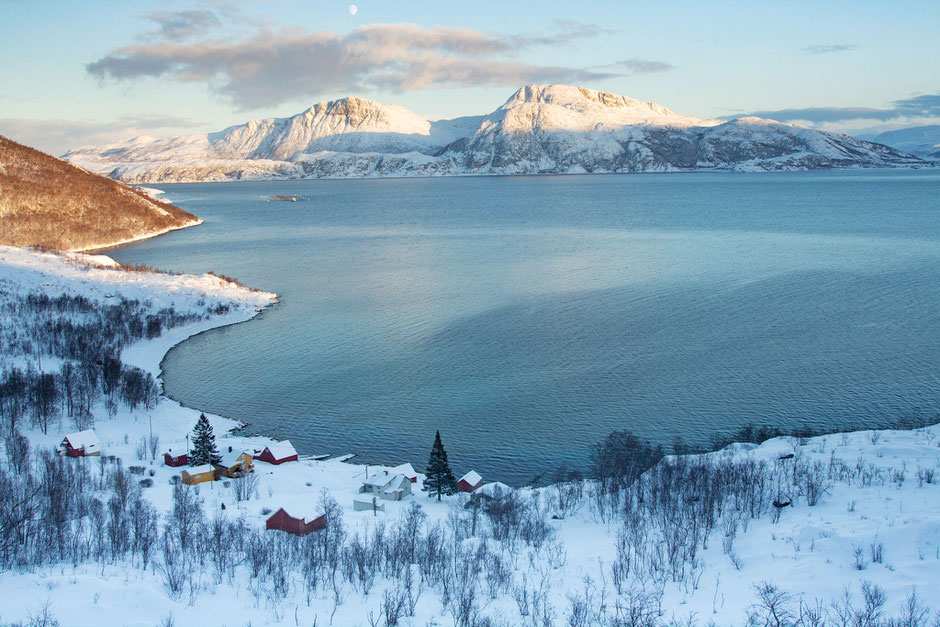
x=230 y=459
x=385 y=480
x=280 y=450
x=494 y=489
x=198 y=470
x=472 y=478
x=83 y=439
x=405 y=469
x=307 y=512
x=395 y=483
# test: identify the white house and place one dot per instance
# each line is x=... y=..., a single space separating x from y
x=386 y=486
x=408 y=470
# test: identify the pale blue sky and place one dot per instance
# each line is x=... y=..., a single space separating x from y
x=78 y=72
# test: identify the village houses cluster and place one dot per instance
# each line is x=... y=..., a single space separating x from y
x=298 y=517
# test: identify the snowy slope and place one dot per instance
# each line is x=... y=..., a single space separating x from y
x=540 y=129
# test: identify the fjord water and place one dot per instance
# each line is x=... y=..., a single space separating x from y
x=527 y=317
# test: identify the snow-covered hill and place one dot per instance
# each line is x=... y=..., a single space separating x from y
x=47 y=202
x=540 y=129
x=922 y=141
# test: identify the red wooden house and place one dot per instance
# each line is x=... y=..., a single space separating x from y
x=175 y=460
x=81 y=444
x=469 y=482
x=278 y=453
x=303 y=520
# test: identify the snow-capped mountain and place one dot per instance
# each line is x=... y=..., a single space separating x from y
x=921 y=141
x=540 y=129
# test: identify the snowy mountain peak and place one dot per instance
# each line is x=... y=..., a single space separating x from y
x=567 y=95
x=540 y=129
x=578 y=108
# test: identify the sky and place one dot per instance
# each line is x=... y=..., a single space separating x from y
x=86 y=72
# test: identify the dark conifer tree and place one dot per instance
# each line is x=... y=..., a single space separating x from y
x=439 y=478
x=203 y=450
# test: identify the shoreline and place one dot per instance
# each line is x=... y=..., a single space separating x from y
x=131 y=240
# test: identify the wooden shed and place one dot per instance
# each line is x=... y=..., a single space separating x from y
x=301 y=520
x=278 y=453
x=81 y=444
x=175 y=460
x=198 y=474
x=469 y=482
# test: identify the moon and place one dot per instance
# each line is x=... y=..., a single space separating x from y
x=353 y=9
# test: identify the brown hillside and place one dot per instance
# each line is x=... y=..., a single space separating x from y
x=47 y=202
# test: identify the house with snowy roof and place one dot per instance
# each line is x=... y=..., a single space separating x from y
x=198 y=474
x=487 y=493
x=278 y=453
x=469 y=482
x=81 y=444
x=297 y=518
x=407 y=470
x=176 y=459
x=387 y=486
x=235 y=464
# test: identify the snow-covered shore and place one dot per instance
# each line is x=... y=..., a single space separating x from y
x=875 y=520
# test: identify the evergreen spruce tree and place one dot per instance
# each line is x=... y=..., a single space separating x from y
x=439 y=478
x=203 y=450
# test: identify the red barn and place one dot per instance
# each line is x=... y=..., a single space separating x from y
x=303 y=521
x=278 y=453
x=175 y=460
x=469 y=482
x=81 y=444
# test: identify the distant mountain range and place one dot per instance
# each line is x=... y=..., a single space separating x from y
x=47 y=202
x=921 y=141
x=541 y=129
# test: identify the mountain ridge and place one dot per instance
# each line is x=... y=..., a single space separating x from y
x=540 y=129
x=50 y=203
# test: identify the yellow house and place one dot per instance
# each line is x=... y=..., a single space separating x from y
x=198 y=474
x=235 y=464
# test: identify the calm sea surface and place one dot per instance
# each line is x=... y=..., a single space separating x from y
x=527 y=317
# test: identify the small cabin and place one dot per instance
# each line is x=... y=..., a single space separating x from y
x=300 y=520
x=387 y=486
x=407 y=470
x=235 y=464
x=81 y=444
x=278 y=453
x=469 y=482
x=170 y=459
x=198 y=474
x=487 y=493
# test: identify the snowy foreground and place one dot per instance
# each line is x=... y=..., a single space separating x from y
x=875 y=521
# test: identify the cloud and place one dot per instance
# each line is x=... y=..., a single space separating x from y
x=277 y=65
x=182 y=25
x=926 y=105
x=59 y=136
x=829 y=48
x=644 y=66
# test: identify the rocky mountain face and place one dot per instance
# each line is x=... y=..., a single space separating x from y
x=920 y=141
x=541 y=129
x=47 y=202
